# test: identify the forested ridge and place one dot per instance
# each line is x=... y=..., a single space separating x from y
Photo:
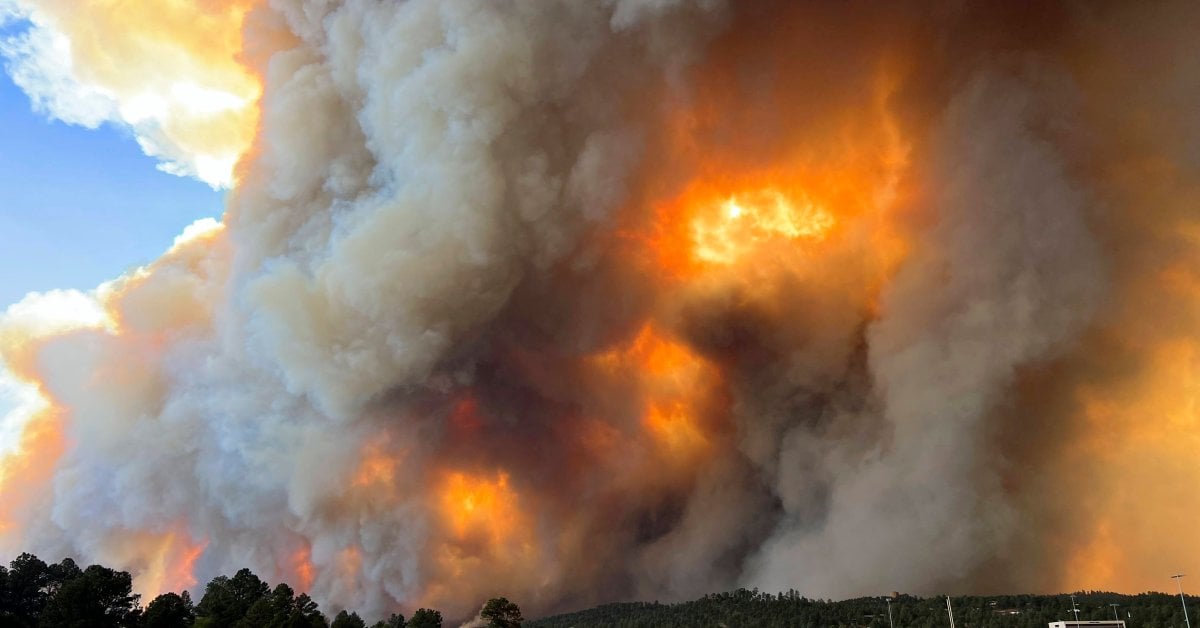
x=754 y=608
x=36 y=594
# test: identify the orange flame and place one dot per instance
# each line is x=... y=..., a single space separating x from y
x=674 y=383
x=735 y=209
x=484 y=525
x=744 y=222
x=672 y=424
x=474 y=505
x=300 y=566
x=181 y=574
x=161 y=561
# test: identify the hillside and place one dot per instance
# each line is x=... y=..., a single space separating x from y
x=753 y=608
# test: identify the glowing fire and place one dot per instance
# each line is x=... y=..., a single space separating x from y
x=378 y=466
x=672 y=424
x=837 y=178
x=478 y=504
x=163 y=561
x=301 y=566
x=745 y=222
x=675 y=385
x=178 y=563
x=484 y=522
x=777 y=215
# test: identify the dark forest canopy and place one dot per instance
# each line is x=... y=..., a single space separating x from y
x=34 y=593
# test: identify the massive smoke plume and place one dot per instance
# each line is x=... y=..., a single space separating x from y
x=578 y=301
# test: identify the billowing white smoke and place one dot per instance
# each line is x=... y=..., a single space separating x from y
x=426 y=221
x=419 y=159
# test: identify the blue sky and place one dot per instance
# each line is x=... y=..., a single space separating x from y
x=80 y=206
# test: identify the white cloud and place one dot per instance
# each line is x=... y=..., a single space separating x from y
x=193 y=110
x=39 y=62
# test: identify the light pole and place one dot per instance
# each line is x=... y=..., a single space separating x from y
x=1178 y=578
x=1076 y=611
x=889 y=601
x=1114 y=606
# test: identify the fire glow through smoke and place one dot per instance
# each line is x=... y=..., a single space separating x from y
x=631 y=299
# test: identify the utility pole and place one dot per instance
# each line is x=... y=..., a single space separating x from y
x=1076 y=610
x=950 y=612
x=1179 y=581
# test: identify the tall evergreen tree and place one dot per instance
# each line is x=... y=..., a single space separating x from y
x=499 y=612
x=169 y=610
x=396 y=620
x=347 y=620
x=26 y=589
x=426 y=618
x=98 y=598
x=227 y=600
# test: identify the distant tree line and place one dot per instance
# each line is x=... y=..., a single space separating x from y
x=746 y=608
x=35 y=594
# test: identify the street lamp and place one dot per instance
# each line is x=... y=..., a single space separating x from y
x=889 y=601
x=1114 y=606
x=1178 y=580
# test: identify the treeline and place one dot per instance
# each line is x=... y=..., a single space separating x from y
x=753 y=608
x=36 y=594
